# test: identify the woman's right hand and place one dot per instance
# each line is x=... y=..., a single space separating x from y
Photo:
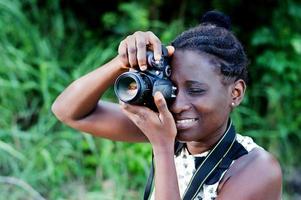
x=132 y=50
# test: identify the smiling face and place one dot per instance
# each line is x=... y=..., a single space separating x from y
x=203 y=103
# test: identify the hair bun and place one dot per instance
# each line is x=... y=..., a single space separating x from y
x=216 y=18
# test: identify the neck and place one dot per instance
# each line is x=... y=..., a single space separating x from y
x=197 y=147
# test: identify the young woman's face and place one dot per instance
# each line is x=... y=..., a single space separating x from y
x=202 y=105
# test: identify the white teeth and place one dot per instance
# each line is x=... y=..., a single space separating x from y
x=185 y=121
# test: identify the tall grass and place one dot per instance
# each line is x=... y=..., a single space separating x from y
x=42 y=49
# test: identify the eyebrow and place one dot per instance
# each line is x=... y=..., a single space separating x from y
x=191 y=82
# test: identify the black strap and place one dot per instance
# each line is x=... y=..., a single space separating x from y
x=237 y=150
x=212 y=160
x=150 y=178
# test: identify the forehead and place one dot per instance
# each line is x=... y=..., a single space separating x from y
x=188 y=65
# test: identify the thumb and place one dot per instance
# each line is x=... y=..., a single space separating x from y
x=161 y=105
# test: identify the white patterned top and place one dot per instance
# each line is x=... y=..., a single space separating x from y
x=185 y=166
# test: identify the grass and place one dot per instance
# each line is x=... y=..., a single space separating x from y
x=38 y=154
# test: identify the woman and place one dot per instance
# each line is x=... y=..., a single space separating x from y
x=209 y=71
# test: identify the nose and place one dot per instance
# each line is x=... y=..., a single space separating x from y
x=180 y=104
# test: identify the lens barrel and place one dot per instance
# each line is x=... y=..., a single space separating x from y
x=133 y=88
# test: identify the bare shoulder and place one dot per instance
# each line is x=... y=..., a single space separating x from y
x=256 y=175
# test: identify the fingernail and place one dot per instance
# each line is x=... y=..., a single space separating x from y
x=170 y=49
x=158 y=95
x=122 y=104
x=143 y=67
x=157 y=57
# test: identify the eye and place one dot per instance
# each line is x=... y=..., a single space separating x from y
x=195 y=90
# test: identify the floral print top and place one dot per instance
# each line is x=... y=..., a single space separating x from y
x=186 y=165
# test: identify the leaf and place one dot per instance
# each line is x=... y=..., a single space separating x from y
x=263 y=36
x=12 y=151
x=296 y=44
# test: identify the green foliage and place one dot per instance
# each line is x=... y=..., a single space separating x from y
x=276 y=72
x=277 y=82
x=43 y=47
x=39 y=56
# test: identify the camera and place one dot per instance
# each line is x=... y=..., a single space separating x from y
x=138 y=87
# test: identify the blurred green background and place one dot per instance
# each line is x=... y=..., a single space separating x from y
x=44 y=45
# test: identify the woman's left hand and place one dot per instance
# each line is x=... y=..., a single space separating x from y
x=159 y=128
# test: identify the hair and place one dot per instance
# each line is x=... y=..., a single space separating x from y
x=213 y=36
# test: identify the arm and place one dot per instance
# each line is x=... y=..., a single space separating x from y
x=166 y=182
x=161 y=131
x=159 y=128
x=256 y=176
x=79 y=107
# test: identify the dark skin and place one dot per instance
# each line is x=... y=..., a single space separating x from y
x=198 y=116
x=201 y=97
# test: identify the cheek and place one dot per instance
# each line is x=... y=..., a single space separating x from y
x=204 y=107
x=212 y=105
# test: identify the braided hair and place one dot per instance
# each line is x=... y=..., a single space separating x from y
x=213 y=36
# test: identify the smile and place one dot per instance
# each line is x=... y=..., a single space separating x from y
x=186 y=123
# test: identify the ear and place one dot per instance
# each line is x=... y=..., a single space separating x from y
x=238 y=92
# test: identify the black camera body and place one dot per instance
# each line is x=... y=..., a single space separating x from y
x=138 y=87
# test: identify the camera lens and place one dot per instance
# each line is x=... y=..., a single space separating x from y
x=132 y=87
x=127 y=88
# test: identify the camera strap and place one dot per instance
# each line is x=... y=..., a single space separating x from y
x=149 y=182
x=206 y=168
x=212 y=160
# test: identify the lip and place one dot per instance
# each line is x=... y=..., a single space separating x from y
x=186 y=123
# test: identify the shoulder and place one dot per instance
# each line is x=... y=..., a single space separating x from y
x=257 y=175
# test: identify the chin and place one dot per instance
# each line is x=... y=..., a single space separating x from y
x=190 y=135
x=184 y=136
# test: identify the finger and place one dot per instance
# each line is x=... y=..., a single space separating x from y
x=122 y=52
x=141 y=44
x=133 y=117
x=156 y=43
x=125 y=106
x=170 y=50
x=137 y=114
x=121 y=103
x=132 y=51
x=161 y=105
x=137 y=110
